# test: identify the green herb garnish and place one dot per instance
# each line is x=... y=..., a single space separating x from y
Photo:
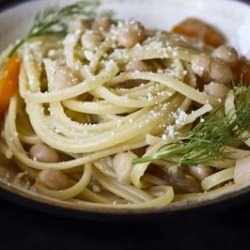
x=206 y=142
x=53 y=21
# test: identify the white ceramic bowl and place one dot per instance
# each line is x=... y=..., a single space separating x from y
x=231 y=17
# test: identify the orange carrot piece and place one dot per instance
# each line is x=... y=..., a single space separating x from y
x=9 y=81
x=241 y=72
x=196 y=28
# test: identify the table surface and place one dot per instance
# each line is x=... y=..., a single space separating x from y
x=22 y=228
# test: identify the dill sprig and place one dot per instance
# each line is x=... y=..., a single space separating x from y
x=53 y=21
x=206 y=142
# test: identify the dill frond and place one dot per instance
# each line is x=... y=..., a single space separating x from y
x=53 y=21
x=206 y=142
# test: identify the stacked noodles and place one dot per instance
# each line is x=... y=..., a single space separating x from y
x=91 y=105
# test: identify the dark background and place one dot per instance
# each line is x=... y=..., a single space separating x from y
x=23 y=228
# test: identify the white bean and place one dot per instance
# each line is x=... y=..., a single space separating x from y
x=200 y=65
x=102 y=23
x=131 y=34
x=200 y=172
x=137 y=66
x=54 y=179
x=64 y=78
x=220 y=72
x=182 y=182
x=217 y=90
x=122 y=165
x=226 y=53
x=43 y=153
x=91 y=40
x=79 y=23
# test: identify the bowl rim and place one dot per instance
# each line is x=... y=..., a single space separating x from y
x=51 y=206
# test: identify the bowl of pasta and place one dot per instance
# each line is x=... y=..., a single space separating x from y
x=116 y=108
